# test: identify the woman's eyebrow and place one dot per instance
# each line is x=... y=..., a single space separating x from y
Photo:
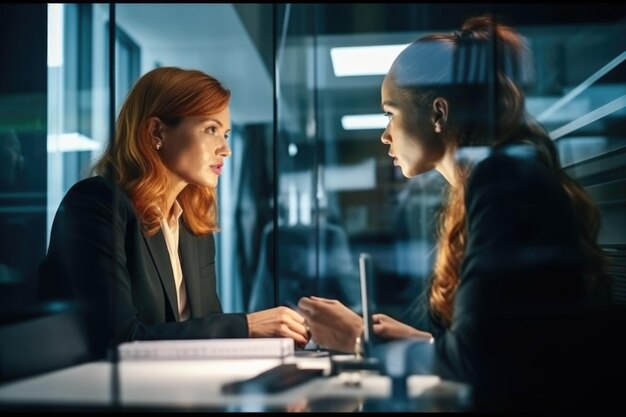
x=211 y=119
x=389 y=103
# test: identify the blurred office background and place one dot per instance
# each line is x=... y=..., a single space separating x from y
x=309 y=185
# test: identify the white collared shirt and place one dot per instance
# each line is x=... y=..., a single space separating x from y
x=171 y=232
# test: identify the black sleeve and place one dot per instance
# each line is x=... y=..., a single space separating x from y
x=521 y=258
x=91 y=237
x=419 y=315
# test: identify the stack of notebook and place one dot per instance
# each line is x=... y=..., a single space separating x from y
x=207 y=349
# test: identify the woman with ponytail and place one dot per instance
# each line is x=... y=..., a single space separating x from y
x=517 y=236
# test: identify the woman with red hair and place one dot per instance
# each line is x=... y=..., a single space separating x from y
x=517 y=236
x=133 y=245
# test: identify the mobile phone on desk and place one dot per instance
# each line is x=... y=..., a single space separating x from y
x=276 y=379
x=350 y=363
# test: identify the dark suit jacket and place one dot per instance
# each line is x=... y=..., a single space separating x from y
x=123 y=281
x=522 y=291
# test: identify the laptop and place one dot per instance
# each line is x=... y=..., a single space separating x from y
x=368 y=307
x=365 y=360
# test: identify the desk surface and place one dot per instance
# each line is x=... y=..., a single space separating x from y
x=196 y=385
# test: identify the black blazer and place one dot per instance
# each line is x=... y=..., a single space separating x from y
x=123 y=281
x=521 y=278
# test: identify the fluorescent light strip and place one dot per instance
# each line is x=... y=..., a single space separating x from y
x=55 y=35
x=364 y=60
x=364 y=121
x=590 y=117
x=582 y=87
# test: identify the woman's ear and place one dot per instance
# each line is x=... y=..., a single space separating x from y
x=155 y=129
x=155 y=126
x=440 y=114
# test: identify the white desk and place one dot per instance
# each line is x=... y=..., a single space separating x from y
x=195 y=384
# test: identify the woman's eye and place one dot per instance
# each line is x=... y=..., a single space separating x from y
x=226 y=136
x=212 y=130
x=388 y=115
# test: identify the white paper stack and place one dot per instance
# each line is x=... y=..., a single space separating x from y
x=207 y=349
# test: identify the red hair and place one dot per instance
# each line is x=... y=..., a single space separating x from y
x=130 y=160
x=511 y=124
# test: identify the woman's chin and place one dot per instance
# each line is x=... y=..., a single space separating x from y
x=210 y=183
x=406 y=173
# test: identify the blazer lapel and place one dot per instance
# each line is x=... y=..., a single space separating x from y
x=188 y=252
x=161 y=258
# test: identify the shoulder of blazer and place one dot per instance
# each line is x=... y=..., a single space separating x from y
x=98 y=190
x=515 y=166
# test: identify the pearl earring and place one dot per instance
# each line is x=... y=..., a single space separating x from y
x=158 y=146
x=437 y=128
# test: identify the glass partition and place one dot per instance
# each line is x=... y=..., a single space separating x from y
x=57 y=96
x=331 y=60
x=23 y=158
x=305 y=249
x=309 y=185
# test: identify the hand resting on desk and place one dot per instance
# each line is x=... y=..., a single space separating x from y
x=278 y=322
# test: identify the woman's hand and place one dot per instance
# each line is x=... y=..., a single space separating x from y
x=385 y=326
x=332 y=325
x=278 y=322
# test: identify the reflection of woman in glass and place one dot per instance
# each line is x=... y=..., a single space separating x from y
x=11 y=159
x=517 y=236
x=134 y=244
x=12 y=229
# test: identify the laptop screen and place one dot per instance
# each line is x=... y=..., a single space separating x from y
x=366 y=361
x=368 y=307
x=367 y=301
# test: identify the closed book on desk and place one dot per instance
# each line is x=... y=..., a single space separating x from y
x=207 y=349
